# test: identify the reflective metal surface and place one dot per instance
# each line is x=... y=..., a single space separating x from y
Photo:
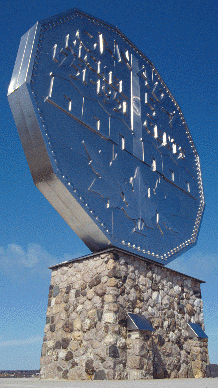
x=196 y=330
x=138 y=322
x=106 y=142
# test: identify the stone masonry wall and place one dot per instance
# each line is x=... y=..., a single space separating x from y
x=86 y=334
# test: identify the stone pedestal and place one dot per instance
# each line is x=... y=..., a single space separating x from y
x=86 y=335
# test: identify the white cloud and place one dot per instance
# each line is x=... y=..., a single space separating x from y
x=20 y=342
x=19 y=263
x=27 y=259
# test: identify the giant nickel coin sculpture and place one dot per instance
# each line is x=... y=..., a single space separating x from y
x=106 y=142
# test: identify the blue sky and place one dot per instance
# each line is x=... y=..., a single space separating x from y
x=180 y=38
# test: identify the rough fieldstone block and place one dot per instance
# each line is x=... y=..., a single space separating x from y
x=73 y=364
x=89 y=367
x=100 y=289
x=68 y=327
x=190 y=310
x=43 y=351
x=66 y=298
x=114 y=273
x=56 y=291
x=52 y=327
x=99 y=315
x=69 y=356
x=65 y=374
x=65 y=342
x=109 y=317
x=68 y=288
x=122 y=317
x=112 y=282
x=77 y=293
x=57 y=345
x=94 y=282
x=100 y=375
x=113 y=351
x=89 y=314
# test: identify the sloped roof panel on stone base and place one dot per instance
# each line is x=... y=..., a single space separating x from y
x=138 y=322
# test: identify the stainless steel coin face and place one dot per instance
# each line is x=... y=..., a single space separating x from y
x=106 y=142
